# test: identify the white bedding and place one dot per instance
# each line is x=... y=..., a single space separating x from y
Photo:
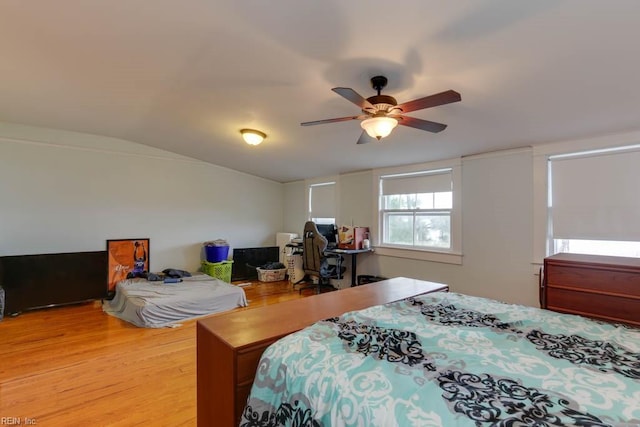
x=157 y=304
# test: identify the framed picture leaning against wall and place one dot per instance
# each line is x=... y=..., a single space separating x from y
x=127 y=258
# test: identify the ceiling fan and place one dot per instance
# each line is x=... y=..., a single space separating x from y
x=381 y=113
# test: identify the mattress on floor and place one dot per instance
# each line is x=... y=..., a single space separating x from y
x=158 y=304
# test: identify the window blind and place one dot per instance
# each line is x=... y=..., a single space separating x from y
x=596 y=197
x=322 y=200
x=434 y=182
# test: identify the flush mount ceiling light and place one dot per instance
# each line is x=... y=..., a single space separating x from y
x=252 y=136
x=379 y=127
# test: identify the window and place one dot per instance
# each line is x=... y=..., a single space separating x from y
x=417 y=211
x=597 y=247
x=321 y=202
x=593 y=203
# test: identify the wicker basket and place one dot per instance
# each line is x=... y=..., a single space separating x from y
x=219 y=270
x=271 y=275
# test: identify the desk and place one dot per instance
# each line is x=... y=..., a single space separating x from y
x=297 y=249
x=354 y=253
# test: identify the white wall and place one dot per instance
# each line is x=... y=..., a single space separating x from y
x=497 y=218
x=66 y=192
x=355 y=204
x=497 y=194
x=295 y=213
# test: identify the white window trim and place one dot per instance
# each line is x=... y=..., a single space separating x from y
x=308 y=183
x=451 y=256
x=541 y=154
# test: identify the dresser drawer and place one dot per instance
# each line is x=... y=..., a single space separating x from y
x=247 y=362
x=607 y=307
x=594 y=279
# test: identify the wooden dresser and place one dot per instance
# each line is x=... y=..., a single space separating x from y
x=229 y=346
x=601 y=287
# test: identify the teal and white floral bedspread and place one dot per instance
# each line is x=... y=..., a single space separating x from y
x=446 y=359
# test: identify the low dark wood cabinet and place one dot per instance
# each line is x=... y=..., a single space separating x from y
x=602 y=287
x=229 y=346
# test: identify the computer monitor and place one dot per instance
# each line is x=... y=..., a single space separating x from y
x=330 y=232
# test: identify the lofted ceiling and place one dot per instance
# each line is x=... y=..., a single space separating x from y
x=186 y=76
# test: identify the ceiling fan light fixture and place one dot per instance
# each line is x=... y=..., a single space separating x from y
x=252 y=136
x=379 y=127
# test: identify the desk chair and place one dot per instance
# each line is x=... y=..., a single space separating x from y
x=314 y=260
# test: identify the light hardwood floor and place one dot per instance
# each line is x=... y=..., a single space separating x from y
x=77 y=366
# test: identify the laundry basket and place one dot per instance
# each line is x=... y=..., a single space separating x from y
x=216 y=250
x=219 y=270
x=271 y=275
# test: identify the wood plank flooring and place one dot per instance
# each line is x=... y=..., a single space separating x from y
x=77 y=366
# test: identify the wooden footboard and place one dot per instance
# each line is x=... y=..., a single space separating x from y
x=602 y=287
x=229 y=346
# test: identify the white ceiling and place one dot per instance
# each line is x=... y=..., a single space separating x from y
x=187 y=75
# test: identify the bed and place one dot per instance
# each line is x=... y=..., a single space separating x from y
x=158 y=304
x=447 y=359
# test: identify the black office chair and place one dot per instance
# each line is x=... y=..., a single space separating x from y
x=316 y=262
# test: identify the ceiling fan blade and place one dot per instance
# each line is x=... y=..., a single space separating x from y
x=364 y=138
x=420 y=124
x=339 y=119
x=441 y=98
x=353 y=96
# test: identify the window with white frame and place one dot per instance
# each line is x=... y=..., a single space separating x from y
x=416 y=208
x=593 y=202
x=322 y=205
